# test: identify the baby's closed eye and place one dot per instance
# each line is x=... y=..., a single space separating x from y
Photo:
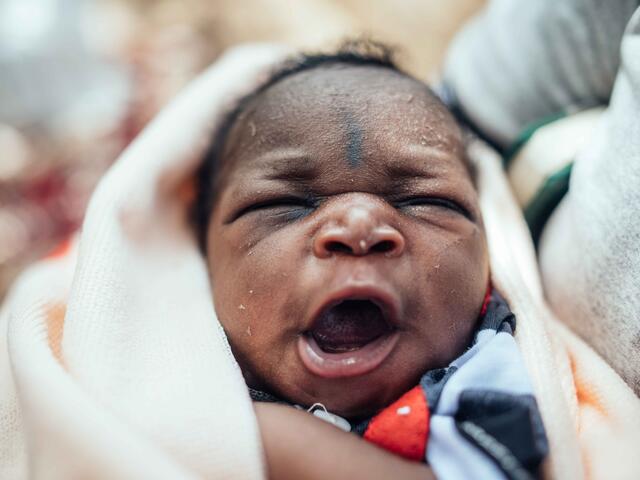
x=289 y=206
x=420 y=204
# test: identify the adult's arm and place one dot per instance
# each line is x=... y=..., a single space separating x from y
x=590 y=248
x=299 y=446
x=518 y=62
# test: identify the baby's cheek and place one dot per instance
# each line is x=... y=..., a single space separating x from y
x=454 y=276
x=241 y=300
x=251 y=295
x=466 y=259
x=251 y=285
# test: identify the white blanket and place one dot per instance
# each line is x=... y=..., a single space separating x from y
x=113 y=364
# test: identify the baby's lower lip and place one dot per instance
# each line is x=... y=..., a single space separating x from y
x=346 y=364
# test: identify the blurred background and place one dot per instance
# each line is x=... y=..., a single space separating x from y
x=80 y=78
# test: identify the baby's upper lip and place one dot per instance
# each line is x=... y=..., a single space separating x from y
x=384 y=298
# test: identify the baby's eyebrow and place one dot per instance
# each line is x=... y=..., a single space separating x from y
x=300 y=175
x=286 y=164
x=407 y=171
x=293 y=165
x=419 y=162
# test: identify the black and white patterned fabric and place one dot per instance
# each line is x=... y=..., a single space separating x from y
x=483 y=418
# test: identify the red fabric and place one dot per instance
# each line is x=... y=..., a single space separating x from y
x=485 y=304
x=402 y=427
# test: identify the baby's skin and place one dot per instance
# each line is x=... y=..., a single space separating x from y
x=346 y=250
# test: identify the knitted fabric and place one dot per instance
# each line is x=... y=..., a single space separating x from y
x=113 y=365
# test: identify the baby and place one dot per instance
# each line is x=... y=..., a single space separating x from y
x=349 y=267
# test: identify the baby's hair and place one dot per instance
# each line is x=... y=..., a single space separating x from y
x=351 y=53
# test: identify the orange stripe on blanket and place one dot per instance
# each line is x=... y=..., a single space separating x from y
x=587 y=394
x=55 y=313
x=61 y=250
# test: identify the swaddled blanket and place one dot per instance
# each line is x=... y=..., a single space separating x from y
x=476 y=417
x=113 y=365
x=519 y=65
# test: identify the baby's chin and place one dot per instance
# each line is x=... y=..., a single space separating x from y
x=374 y=376
x=352 y=398
x=356 y=405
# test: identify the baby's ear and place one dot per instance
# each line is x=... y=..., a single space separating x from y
x=470 y=163
x=185 y=192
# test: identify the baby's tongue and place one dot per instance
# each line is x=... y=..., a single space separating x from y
x=348 y=326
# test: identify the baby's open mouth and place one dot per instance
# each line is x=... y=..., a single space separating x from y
x=349 y=326
x=349 y=337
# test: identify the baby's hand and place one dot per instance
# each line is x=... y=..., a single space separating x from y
x=299 y=446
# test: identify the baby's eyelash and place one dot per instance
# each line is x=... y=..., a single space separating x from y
x=286 y=201
x=435 y=201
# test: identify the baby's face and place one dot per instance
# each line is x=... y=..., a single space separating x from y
x=346 y=247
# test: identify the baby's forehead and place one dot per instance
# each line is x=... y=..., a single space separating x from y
x=361 y=90
x=343 y=108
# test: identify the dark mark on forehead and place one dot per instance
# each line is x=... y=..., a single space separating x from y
x=354 y=140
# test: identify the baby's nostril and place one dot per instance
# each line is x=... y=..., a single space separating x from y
x=384 y=246
x=338 y=247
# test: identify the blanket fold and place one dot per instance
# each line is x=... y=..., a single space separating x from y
x=113 y=364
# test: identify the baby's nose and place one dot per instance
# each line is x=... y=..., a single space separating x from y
x=357 y=227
